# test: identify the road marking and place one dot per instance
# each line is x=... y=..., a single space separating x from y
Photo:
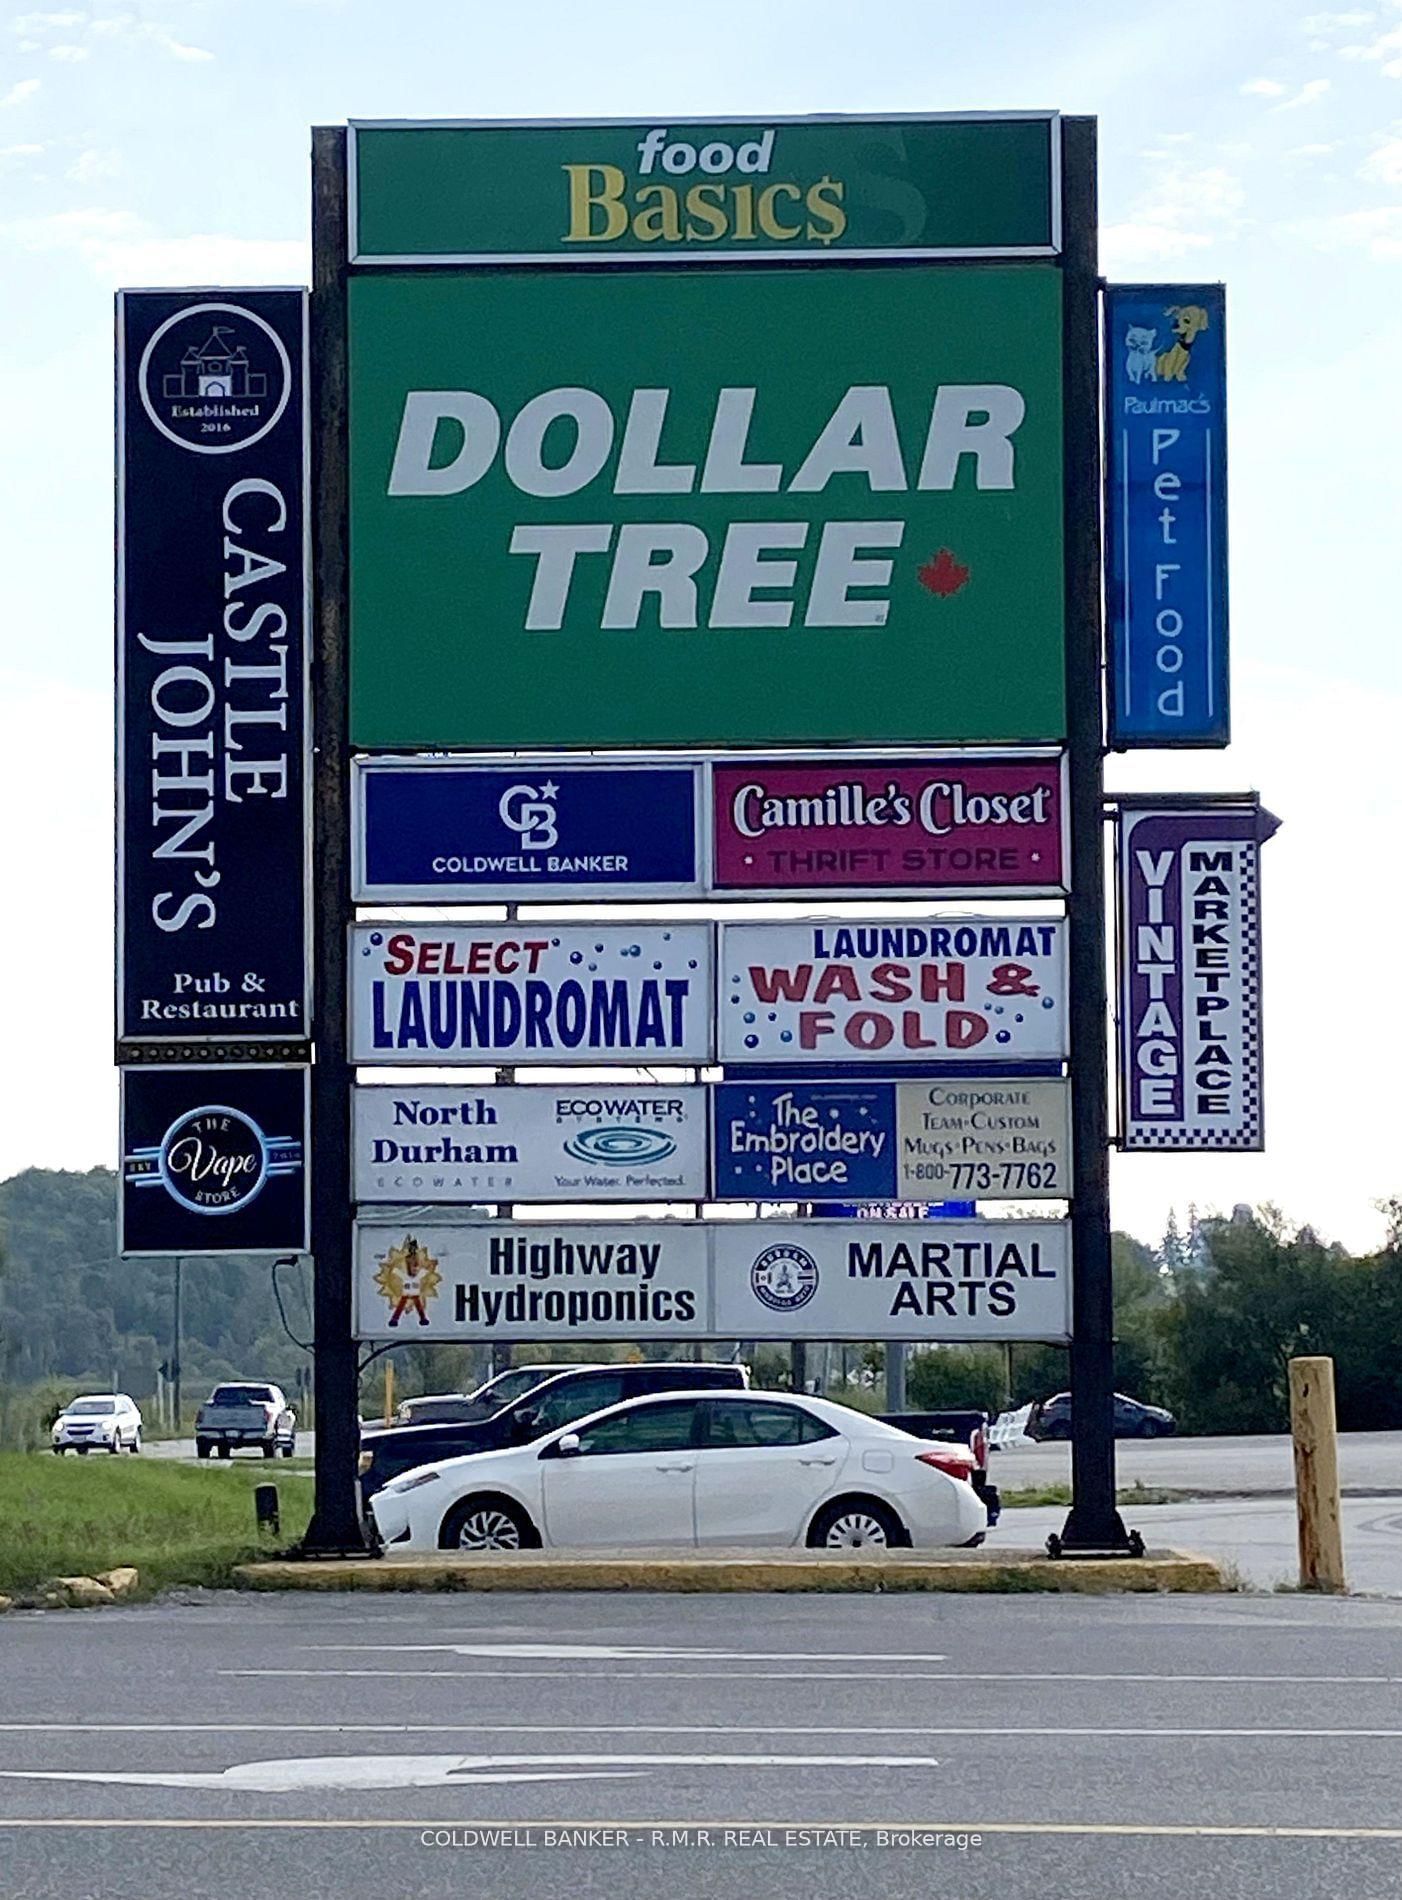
x=1171 y=1830
x=678 y=1728
x=361 y=1772
x=606 y=1652
x=792 y=1675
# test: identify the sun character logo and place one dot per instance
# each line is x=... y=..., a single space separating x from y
x=408 y=1276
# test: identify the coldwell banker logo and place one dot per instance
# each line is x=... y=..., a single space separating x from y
x=214 y=378
x=214 y=1160
x=784 y=1278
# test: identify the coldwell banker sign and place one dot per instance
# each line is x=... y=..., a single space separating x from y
x=961 y=989
x=591 y=1143
x=1190 y=976
x=439 y=830
x=530 y=993
x=212 y=916
x=214 y=1160
x=835 y=515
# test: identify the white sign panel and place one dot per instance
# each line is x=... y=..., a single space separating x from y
x=999 y=1141
x=910 y=1280
x=526 y=1280
x=528 y=993
x=596 y=1142
x=836 y=992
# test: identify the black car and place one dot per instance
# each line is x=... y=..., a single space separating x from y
x=454 y=1408
x=387 y=1451
x=1133 y=1419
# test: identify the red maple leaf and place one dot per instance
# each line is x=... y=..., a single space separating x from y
x=943 y=575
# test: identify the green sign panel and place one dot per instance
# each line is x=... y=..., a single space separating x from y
x=720 y=189
x=727 y=507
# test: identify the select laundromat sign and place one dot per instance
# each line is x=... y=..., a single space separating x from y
x=761 y=1279
x=463 y=193
x=596 y=1142
x=530 y=993
x=835 y=515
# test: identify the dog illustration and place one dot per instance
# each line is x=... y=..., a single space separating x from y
x=1189 y=321
x=1140 y=358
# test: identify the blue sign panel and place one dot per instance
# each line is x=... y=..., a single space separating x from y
x=430 y=830
x=212 y=910
x=794 y=1143
x=214 y=1160
x=897 y=1210
x=1166 y=514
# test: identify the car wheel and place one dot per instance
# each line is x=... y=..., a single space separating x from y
x=59 y=1450
x=224 y=1450
x=116 y=1446
x=135 y=1443
x=854 y=1524
x=289 y=1451
x=81 y=1450
x=201 y=1449
x=270 y=1449
x=486 y=1523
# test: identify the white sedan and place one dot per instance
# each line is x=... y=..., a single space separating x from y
x=696 y=1468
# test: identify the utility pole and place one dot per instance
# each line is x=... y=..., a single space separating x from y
x=895 y=1375
x=175 y=1329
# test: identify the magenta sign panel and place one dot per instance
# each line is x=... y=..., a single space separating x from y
x=950 y=824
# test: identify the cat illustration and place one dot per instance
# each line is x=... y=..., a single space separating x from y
x=1140 y=360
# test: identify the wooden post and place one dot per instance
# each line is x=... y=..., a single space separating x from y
x=389 y=1391
x=1316 y=1474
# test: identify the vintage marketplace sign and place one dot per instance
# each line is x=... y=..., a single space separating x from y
x=443 y=831
x=457 y=192
x=892 y=1142
x=952 y=824
x=214 y=1160
x=530 y=993
x=966 y=989
x=835 y=516
x=443 y=1278
x=1166 y=514
x=212 y=906
x=463 y=1279
x=948 y=1280
x=1190 y=976
x=595 y=1142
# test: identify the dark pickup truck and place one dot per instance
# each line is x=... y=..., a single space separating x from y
x=969 y=1429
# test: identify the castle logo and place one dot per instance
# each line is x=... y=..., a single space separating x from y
x=215 y=378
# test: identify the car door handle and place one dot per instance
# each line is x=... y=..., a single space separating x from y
x=690 y=1466
x=817 y=1461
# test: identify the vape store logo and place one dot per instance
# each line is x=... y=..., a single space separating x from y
x=529 y=810
x=784 y=1278
x=215 y=378
x=214 y=1160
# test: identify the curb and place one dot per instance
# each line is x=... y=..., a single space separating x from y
x=1009 y=1573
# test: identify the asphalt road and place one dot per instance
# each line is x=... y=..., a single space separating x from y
x=276 y=1745
x=1369 y=1463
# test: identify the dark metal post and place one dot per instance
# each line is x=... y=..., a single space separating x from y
x=335 y=1525
x=798 y=1366
x=1093 y=1522
x=175 y=1331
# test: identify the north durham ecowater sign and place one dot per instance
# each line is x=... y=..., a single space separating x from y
x=747 y=505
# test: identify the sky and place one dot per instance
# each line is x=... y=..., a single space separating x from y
x=1253 y=142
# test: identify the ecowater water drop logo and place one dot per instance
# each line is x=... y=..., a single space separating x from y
x=620 y=1147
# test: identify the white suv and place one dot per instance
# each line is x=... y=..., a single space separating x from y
x=99 y=1421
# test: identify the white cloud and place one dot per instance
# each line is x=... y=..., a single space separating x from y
x=1312 y=90
x=120 y=248
x=1264 y=88
x=1376 y=230
x=91 y=166
x=8 y=153
x=109 y=27
x=1185 y=212
x=28 y=23
x=70 y=54
x=21 y=90
x=1311 y=151
x=1335 y=22
x=1384 y=51
x=1384 y=165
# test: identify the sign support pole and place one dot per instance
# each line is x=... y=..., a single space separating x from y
x=1093 y=1523
x=336 y=1525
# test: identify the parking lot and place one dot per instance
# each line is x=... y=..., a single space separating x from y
x=264 y=1746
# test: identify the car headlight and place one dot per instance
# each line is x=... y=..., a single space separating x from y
x=413 y=1481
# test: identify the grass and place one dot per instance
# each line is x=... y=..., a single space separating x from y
x=1035 y=1494
x=175 y=1523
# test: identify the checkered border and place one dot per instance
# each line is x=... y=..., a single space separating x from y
x=1248 y=1132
